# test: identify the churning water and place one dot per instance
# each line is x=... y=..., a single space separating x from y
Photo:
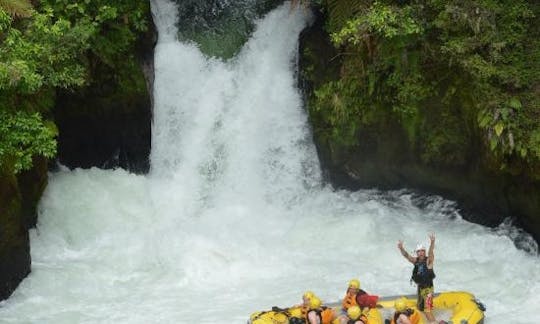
x=234 y=216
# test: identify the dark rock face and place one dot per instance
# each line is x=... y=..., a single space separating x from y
x=94 y=131
x=14 y=243
x=384 y=157
x=19 y=197
x=387 y=162
x=32 y=183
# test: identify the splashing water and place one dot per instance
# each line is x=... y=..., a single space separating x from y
x=234 y=216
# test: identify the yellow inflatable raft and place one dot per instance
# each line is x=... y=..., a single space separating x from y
x=462 y=307
x=293 y=316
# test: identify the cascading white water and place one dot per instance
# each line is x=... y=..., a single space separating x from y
x=234 y=217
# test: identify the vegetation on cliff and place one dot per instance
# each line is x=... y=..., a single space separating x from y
x=57 y=44
x=449 y=71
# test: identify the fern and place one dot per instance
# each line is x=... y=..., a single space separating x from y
x=17 y=8
x=340 y=11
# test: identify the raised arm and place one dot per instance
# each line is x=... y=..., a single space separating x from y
x=404 y=253
x=431 y=255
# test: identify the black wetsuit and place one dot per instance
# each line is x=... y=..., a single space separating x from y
x=423 y=277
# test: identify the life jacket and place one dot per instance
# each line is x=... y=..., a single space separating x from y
x=327 y=316
x=348 y=301
x=413 y=316
x=421 y=275
x=353 y=300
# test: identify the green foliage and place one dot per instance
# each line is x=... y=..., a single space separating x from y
x=379 y=20
x=35 y=57
x=490 y=43
x=381 y=63
x=478 y=60
x=116 y=24
x=59 y=44
x=46 y=53
x=23 y=135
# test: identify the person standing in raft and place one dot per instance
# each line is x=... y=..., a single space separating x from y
x=423 y=275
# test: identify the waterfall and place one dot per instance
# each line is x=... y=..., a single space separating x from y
x=234 y=216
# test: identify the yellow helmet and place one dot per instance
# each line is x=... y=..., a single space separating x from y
x=314 y=302
x=308 y=295
x=400 y=304
x=354 y=312
x=354 y=283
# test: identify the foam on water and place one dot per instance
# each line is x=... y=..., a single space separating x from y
x=234 y=216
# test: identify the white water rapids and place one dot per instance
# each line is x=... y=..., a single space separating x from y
x=234 y=217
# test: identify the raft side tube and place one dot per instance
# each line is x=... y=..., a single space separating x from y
x=465 y=307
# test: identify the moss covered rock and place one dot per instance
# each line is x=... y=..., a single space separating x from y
x=220 y=28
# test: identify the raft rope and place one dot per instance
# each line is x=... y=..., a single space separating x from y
x=284 y=311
